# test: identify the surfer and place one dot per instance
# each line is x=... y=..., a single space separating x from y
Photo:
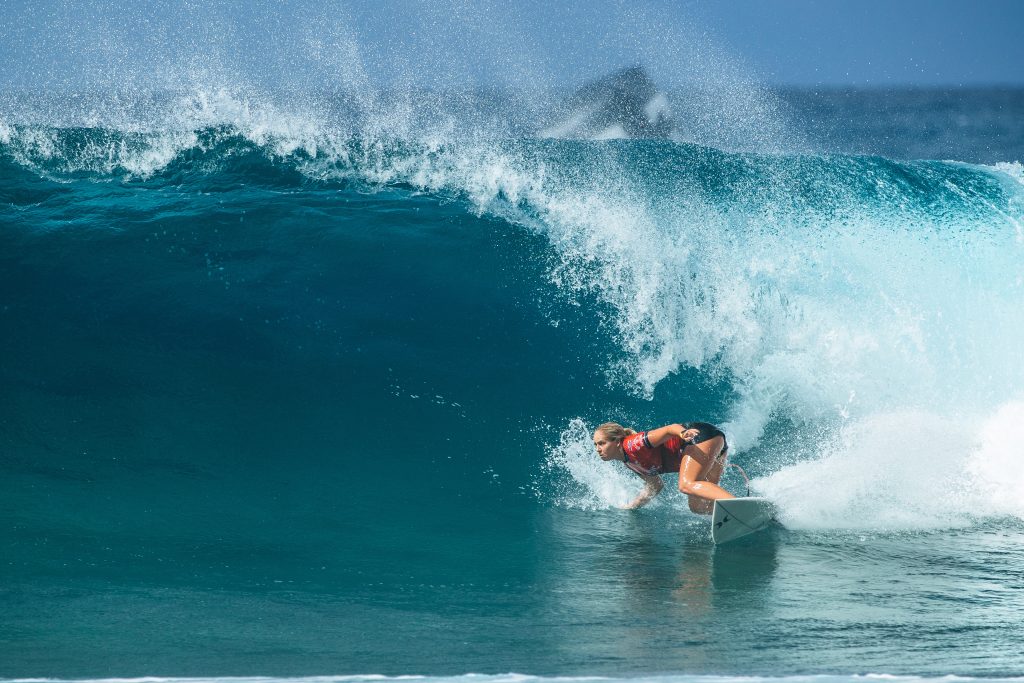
x=697 y=450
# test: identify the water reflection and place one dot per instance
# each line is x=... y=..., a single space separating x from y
x=630 y=586
x=746 y=566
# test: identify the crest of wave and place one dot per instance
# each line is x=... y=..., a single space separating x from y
x=52 y=152
x=325 y=136
x=114 y=142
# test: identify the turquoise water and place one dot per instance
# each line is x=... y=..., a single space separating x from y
x=291 y=393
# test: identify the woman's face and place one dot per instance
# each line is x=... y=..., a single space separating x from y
x=607 y=448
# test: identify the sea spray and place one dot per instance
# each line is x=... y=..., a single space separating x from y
x=995 y=466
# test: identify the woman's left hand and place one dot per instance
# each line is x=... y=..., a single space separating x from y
x=689 y=434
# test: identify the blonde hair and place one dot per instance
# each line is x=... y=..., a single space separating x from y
x=614 y=431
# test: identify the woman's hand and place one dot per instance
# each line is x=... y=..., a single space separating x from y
x=661 y=434
x=652 y=487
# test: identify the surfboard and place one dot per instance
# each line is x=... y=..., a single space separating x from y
x=734 y=518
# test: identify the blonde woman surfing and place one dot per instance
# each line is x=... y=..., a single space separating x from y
x=697 y=450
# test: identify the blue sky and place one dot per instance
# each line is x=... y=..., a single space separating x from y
x=487 y=42
x=936 y=42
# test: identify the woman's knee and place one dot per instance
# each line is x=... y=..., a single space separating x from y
x=687 y=486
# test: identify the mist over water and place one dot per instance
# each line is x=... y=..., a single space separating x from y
x=306 y=328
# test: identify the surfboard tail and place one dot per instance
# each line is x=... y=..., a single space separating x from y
x=734 y=518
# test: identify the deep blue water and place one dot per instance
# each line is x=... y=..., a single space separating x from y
x=285 y=391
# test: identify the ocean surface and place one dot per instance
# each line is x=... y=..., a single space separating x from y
x=303 y=385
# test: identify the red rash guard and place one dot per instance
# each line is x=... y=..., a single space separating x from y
x=645 y=459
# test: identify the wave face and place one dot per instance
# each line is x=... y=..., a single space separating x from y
x=303 y=369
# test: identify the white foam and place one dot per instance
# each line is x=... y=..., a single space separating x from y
x=594 y=484
x=1013 y=169
x=997 y=464
x=906 y=471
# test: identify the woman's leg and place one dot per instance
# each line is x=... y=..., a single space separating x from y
x=699 y=473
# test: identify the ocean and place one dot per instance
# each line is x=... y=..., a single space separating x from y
x=302 y=385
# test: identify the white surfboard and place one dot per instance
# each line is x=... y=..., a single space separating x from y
x=737 y=517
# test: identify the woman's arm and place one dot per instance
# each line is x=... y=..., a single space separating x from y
x=652 y=487
x=662 y=434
